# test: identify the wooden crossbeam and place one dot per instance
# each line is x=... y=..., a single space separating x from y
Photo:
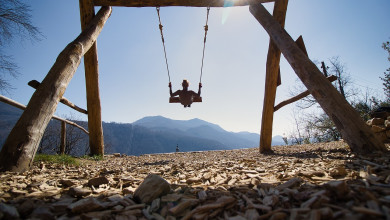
x=187 y=3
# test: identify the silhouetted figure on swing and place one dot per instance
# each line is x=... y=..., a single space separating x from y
x=186 y=97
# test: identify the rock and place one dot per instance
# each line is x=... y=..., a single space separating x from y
x=98 y=181
x=378 y=121
x=151 y=188
x=377 y=128
x=85 y=205
x=79 y=192
x=26 y=207
x=42 y=213
x=340 y=188
x=61 y=205
x=387 y=123
x=270 y=200
x=9 y=212
x=337 y=172
x=67 y=182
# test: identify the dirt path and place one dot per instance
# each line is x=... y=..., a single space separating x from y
x=321 y=181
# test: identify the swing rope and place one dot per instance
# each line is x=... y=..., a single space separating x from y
x=162 y=39
x=206 y=28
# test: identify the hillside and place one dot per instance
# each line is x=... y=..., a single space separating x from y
x=153 y=134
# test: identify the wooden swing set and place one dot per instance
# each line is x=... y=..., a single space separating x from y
x=21 y=145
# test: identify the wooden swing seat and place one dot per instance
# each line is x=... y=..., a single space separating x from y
x=177 y=99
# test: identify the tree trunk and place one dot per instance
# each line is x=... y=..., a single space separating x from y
x=96 y=142
x=271 y=78
x=21 y=145
x=353 y=129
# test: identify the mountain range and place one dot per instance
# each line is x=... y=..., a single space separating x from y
x=154 y=134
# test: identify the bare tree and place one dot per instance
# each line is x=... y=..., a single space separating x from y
x=15 y=21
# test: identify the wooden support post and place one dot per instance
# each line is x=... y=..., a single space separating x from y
x=22 y=143
x=63 y=138
x=271 y=78
x=96 y=142
x=353 y=129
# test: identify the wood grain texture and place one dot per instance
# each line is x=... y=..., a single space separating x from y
x=271 y=79
x=22 y=143
x=188 y=3
x=353 y=129
x=34 y=84
x=96 y=141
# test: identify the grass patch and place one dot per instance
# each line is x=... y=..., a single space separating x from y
x=93 y=157
x=61 y=159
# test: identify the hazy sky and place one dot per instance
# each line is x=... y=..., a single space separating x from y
x=133 y=77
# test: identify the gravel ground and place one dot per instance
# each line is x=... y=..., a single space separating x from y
x=316 y=181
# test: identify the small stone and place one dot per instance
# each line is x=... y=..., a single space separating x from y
x=338 y=172
x=98 y=181
x=68 y=183
x=85 y=205
x=79 y=192
x=42 y=213
x=116 y=154
x=26 y=207
x=151 y=188
x=270 y=200
x=340 y=188
x=8 y=211
x=378 y=121
x=387 y=123
x=207 y=176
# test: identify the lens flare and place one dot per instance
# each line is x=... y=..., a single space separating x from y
x=226 y=11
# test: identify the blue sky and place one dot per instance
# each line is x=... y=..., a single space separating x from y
x=133 y=77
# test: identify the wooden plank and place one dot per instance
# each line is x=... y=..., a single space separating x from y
x=63 y=138
x=63 y=100
x=23 y=107
x=22 y=143
x=271 y=78
x=96 y=142
x=188 y=3
x=299 y=96
x=353 y=129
